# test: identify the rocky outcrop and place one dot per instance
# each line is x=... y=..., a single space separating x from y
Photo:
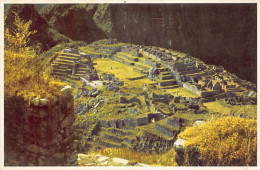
x=73 y=21
x=40 y=133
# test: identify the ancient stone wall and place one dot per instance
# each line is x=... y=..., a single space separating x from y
x=40 y=133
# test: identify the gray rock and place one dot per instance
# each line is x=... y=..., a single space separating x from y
x=123 y=100
x=132 y=111
x=66 y=91
x=95 y=93
x=85 y=92
x=198 y=123
x=103 y=158
x=35 y=101
x=77 y=95
x=42 y=102
x=120 y=161
x=82 y=108
x=142 y=121
x=179 y=144
x=141 y=164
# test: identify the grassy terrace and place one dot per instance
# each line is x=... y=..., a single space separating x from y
x=70 y=55
x=122 y=71
x=217 y=107
x=124 y=59
x=114 y=45
x=249 y=110
x=128 y=55
x=89 y=50
x=144 y=65
x=181 y=91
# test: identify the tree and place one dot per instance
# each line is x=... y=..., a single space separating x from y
x=18 y=36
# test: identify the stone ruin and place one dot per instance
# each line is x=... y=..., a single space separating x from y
x=42 y=133
x=112 y=83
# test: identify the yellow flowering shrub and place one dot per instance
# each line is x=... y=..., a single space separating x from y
x=229 y=141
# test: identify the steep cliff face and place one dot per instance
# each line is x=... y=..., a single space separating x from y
x=222 y=34
x=73 y=21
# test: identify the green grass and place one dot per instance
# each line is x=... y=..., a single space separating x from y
x=114 y=45
x=249 y=110
x=181 y=91
x=90 y=50
x=128 y=55
x=192 y=116
x=121 y=71
x=217 y=107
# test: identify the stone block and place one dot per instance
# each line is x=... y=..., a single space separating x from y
x=69 y=120
x=176 y=122
x=66 y=91
x=142 y=121
x=179 y=145
x=120 y=161
x=113 y=123
x=164 y=130
x=130 y=122
x=198 y=123
x=104 y=123
x=123 y=100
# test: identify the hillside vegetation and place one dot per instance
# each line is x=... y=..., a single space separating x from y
x=24 y=74
x=229 y=141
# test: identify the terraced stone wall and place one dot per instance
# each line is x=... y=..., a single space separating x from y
x=40 y=133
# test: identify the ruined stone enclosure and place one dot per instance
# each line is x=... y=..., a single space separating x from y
x=40 y=133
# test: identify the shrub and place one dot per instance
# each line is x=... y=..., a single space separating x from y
x=24 y=74
x=228 y=141
x=18 y=36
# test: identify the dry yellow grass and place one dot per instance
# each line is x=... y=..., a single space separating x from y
x=153 y=159
x=229 y=141
x=24 y=74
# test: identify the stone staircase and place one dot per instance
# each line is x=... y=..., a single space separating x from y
x=131 y=60
x=166 y=81
x=115 y=137
x=62 y=68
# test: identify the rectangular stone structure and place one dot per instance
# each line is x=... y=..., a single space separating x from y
x=142 y=121
x=164 y=130
x=174 y=122
x=104 y=123
x=130 y=122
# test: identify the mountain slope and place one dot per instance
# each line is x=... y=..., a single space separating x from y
x=220 y=34
x=73 y=21
x=45 y=36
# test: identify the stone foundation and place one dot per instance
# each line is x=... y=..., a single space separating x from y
x=40 y=133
